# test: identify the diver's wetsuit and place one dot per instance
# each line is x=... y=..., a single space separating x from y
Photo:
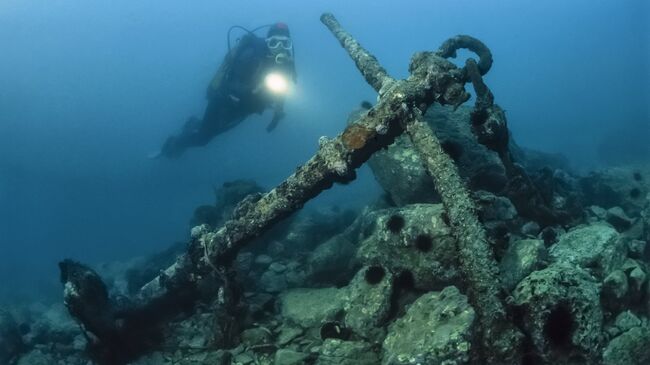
x=231 y=97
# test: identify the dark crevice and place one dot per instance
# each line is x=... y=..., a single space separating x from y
x=374 y=275
x=395 y=223
x=423 y=243
x=559 y=328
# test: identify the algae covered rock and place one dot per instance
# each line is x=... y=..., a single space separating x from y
x=311 y=307
x=560 y=310
x=339 y=352
x=333 y=260
x=597 y=248
x=629 y=348
x=368 y=302
x=414 y=239
x=625 y=186
x=436 y=329
x=399 y=170
x=289 y=357
x=521 y=258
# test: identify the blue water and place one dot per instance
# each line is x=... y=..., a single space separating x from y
x=89 y=88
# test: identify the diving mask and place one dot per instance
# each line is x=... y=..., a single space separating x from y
x=276 y=41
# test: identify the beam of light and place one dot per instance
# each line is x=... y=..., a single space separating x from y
x=277 y=83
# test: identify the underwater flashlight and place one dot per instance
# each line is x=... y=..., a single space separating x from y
x=276 y=82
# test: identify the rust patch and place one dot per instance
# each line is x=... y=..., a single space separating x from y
x=356 y=136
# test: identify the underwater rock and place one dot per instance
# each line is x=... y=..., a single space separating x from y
x=289 y=357
x=521 y=258
x=140 y=271
x=256 y=336
x=597 y=248
x=191 y=334
x=332 y=262
x=36 y=357
x=309 y=229
x=636 y=248
x=226 y=199
x=530 y=229
x=615 y=288
x=11 y=344
x=625 y=186
x=414 y=240
x=288 y=333
x=273 y=282
x=368 y=302
x=400 y=172
x=436 y=329
x=533 y=160
x=550 y=235
x=339 y=352
x=636 y=274
x=399 y=169
x=629 y=348
x=596 y=213
x=311 y=307
x=498 y=215
x=627 y=320
x=617 y=218
x=53 y=325
x=560 y=310
x=494 y=208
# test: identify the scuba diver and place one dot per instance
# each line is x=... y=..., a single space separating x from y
x=253 y=76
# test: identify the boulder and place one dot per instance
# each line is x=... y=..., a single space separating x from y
x=629 y=348
x=597 y=248
x=414 y=240
x=625 y=186
x=339 y=352
x=399 y=170
x=311 y=307
x=521 y=258
x=560 y=310
x=436 y=329
x=368 y=302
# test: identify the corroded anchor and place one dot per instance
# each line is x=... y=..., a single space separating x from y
x=399 y=109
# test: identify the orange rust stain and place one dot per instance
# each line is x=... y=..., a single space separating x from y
x=356 y=136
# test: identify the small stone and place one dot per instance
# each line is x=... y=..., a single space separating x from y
x=615 y=284
x=289 y=357
x=530 y=229
x=627 y=320
x=275 y=249
x=597 y=248
x=277 y=267
x=521 y=258
x=597 y=212
x=288 y=334
x=256 y=336
x=436 y=329
x=636 y=248
x=263 y=260
x=637 y=278
x=617 y=218
x=243 y=359
x=311 y=307
x=273 y=282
